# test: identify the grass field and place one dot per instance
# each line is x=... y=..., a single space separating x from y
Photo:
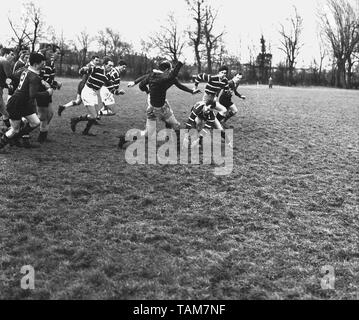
x=95 y=227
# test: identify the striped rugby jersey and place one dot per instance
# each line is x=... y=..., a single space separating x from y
x=98 y=78
x=115 y=77
x=214 y=83
x=232 y=88
x=197 y=111
x=47 y=73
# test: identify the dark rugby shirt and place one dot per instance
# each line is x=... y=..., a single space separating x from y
x=157 y=83
x=214 y=83
x=5 y=71
x=29 y=88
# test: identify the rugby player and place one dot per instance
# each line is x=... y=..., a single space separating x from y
x=98 y=77
x=95 y=61
x=22 y=102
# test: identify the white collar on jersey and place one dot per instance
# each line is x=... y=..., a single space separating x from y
x=157 y=71
x=33 y=70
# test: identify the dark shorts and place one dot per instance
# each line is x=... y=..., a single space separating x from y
x=18 y=108
x=43 y=102
x=226 y=102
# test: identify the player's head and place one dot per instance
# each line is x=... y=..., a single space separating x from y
x=108 y=64
x=165 y=66
x=24 y=56
x=36 y=60
x=237 y=78
x=122 y=65
x=209 y=106
x=8 y=54
x=223 y=71
x=95 y=60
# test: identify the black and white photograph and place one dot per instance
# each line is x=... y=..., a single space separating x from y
x=183 y=150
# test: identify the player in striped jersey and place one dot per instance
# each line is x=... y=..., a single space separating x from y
x=225 y=98
x=83 y=72
x=44 y=104
x=113 y=88
x=98 y=77
x=214 y=86
x=204 y=112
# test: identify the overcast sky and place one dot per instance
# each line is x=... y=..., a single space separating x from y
x=243 y=20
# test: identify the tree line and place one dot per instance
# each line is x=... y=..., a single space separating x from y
x=338 y=37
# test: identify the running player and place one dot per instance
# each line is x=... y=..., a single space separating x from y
x=22 y=103
x=7 y=57
x=225 y=98
x=156 y=85
x=214 y=86
x=113 y=88
x=44 y=104
x=95 y=61
x=98 y=77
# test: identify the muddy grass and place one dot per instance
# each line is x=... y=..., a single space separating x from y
x=95 y=227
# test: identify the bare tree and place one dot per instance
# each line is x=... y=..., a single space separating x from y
x=211 y=39
x=19 y=38
x=36 y=23
x=341 y=30
x=61 y=42
x=169 y=40
x=117 y=47
x=290 y=42
x=81 y=45
x=103 y=41
x=197 y=9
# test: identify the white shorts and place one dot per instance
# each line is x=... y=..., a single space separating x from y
x=107 y=97
x=89 y=97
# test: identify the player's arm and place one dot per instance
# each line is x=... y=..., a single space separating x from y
x=8 y=74
x=34 y=90
x=185 y=88
x=137 y=81
x=237 y=93
x=174 y=72
x=191 y=122
x=210 y=123
x=203 y=77
x=144 y=85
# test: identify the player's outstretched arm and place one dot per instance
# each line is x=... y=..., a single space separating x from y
x=185 y=88
x=138 y=80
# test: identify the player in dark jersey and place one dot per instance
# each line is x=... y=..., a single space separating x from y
x=156 y=85
x=20 y=64
x=225 y=98
x=83 y=72
x=98 y=77
x=22 y=103
x=7 y=56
